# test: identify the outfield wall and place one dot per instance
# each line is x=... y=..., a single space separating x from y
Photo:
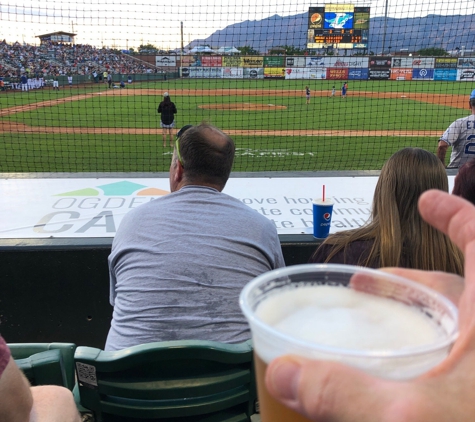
x=330 y=67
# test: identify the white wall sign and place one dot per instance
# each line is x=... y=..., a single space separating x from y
x=60 y=208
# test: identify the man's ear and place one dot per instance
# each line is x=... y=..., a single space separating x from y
x=179 y=171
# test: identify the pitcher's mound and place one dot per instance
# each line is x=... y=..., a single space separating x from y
x=242 y=106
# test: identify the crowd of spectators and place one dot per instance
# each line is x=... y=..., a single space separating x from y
x=57 y=59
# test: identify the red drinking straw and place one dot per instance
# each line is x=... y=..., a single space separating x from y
x=323 y=193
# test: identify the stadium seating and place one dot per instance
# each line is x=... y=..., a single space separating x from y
x=46 y=363
x=168 y=381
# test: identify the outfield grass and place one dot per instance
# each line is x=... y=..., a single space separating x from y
x=71 y=152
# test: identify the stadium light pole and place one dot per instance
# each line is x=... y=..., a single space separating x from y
x=385 y=25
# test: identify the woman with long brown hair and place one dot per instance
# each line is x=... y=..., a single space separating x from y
x=397 y=236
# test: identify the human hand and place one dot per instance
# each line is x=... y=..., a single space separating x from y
x=328 y=391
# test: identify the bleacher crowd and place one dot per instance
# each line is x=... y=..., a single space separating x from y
x=57 y=59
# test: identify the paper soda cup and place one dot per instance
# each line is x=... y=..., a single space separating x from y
x=322 y=217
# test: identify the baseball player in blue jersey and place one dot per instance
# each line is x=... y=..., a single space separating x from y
x=344 y=88
x=460 y=135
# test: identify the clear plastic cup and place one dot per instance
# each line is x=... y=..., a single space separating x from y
x=385 y=325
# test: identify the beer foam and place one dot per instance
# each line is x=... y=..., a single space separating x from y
x=344 y=318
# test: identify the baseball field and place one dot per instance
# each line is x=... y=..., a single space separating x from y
x=89 y=128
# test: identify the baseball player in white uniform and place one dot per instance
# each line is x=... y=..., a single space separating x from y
x=460 y=135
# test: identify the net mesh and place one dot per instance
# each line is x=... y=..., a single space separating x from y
x=81 y=82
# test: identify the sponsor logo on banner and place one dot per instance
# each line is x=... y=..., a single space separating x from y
x=95 y=208
x=274 y=73
x=165 y=61
x=336 y=73
x=315 y=62
x=204 y=72
x=466 y=74
x=379 y=73
x=300 y=73
x=252 y=61
x=447 y=63
x=232 y=72
x=427 y=74
x=400 y=74
x=249 y=73
x=211 y=61
x=445 y=74
x=361 y=74
x=295 y=61
x=466 y=62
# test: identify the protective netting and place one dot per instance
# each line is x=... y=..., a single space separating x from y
x=81 y=81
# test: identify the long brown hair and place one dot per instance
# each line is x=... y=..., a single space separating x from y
x=400 y=236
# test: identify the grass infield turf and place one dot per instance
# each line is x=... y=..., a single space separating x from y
x=91 y=128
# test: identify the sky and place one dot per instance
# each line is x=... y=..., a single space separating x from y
x=125 y=24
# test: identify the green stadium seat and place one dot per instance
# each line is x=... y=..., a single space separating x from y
x=185 y=381
x=46 y=363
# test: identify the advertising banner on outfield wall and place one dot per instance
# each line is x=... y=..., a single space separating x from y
x=211 y=61
x=445 y=74
x=256 y=73
x=421 y=62
x=190 y=61
x=465 y=62
x=165 y=61
x=379 y=62
x=231 y=61
x=252 y=61
x=379 y=73
x=412 y=62
x=232 y=72
x=400 y=74
x=274 y=73
x=201 y=72
x=362 y=74
x=295 y=62
x=317 y=73
x=277 y=61
x=329 y=61
x=297 y=73
x=466 y=75
x=445 y=63
x=314 y=61
x=359 y=62
x=337 y=73
x=427 y=74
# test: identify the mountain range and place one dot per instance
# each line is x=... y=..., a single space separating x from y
x=413 y=34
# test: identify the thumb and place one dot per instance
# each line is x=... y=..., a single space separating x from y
x=328 y=391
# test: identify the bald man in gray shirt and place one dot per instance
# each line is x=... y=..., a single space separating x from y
x=178 y=263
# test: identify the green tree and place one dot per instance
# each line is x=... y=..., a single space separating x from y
x=147 y=48
x=432 y=51
x=247 y=51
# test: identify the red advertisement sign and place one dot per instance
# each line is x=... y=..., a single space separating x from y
x=337 y=73
x=211 y=61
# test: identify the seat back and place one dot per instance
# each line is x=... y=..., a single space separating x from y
x=190 y=380
x=41 y=368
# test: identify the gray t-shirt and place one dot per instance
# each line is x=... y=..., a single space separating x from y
x=460 y=135
x=179 y=263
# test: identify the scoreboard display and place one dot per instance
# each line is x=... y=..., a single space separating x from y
x=338 y=26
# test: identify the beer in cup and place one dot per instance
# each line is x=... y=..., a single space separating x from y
x=382 y=324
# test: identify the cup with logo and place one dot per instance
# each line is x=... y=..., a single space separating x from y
x=322 y=217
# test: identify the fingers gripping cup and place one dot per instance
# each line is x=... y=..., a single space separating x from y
x=385 y=325
x=322 y=217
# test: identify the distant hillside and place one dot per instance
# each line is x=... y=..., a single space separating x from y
x=446 y=32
